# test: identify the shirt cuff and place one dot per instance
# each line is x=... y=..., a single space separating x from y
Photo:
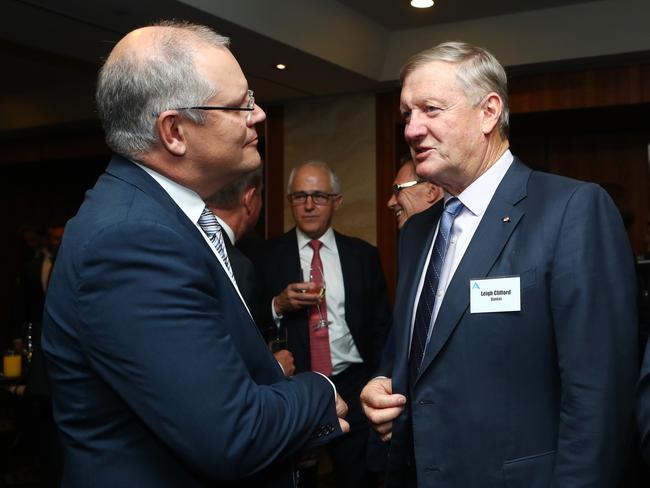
x=276 y=317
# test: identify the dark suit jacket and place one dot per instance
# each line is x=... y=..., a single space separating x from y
x=536 y=398
x=366 y=303
x=31 y=296
x=643 y=406
x=31 y=299
x=159 y=376
x=247 y=282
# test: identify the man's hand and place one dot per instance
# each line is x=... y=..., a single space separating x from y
x=341 y=412
x=285 y=358
x=293 y=297
x=381 y=406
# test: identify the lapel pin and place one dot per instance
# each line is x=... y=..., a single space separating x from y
x=506 y=219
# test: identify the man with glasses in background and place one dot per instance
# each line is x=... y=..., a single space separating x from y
x=354 y=307
x=159 y=375
x=411 y=194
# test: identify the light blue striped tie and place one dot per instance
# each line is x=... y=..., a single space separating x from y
x=210 y=225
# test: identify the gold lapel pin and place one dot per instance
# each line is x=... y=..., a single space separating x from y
x=506 y=219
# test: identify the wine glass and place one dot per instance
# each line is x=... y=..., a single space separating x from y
x=314 y=274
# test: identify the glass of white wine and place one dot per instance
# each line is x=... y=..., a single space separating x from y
x=315 y=275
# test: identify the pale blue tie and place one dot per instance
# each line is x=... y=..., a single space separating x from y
x=210 y=225
x=428 y=294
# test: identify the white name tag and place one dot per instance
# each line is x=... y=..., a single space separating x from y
x=495 y=295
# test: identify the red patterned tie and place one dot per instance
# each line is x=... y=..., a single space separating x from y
x=319 y=338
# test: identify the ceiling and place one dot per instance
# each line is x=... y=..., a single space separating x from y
x=51 y=49
x=400 y=15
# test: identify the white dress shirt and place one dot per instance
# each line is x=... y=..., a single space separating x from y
x=475 y=199
x=342 y=347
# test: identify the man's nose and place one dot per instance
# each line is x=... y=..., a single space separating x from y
x=309 y=203
x=415 y=128
x=392 y=202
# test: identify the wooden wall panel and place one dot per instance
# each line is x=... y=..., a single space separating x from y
x=274 y=182
x=387 y=146
x=611 y=86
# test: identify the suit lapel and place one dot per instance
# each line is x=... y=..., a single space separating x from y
x=485 y=247
x=349 y=270
x=414 y=242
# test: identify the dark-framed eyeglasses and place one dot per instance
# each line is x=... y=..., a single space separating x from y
x=407 y=184
x=249 y=107
x=318 y=197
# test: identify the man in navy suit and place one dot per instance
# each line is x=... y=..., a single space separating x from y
x=515 y=329
x=160 y=378
x=355 y=305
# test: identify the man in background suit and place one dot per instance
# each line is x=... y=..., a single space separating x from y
x=159 y=376
x=35 y=277
x=516 y=345
x=355 y=305
x=237 y=207
x=411 y=194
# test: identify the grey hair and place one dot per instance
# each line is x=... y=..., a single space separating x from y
x=478 y=73
x=134 y=87
x=334 y=179
x=230 y=195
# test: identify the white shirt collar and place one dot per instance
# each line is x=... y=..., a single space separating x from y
x=229 y=232
x=327 y=239
x=188 y=200
x=477 y=196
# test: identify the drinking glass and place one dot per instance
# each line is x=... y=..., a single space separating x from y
x=315 y=275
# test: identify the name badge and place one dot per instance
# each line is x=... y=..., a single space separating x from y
x=495 y=295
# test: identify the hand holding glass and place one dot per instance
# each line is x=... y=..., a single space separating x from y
x=315 y=276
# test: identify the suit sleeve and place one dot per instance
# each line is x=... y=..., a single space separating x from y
x=594 y=318
x=381 y=318
x=155 y=329
x=643 y=407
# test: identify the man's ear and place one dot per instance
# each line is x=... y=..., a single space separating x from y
x=491 y=108
x=433 y=193
x=247 y=199
x=170 y=127
x=338 y=200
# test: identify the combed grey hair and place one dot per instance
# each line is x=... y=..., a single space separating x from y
x=334 y=179
x=478 y=73
x=134 y=87
x=230 y=195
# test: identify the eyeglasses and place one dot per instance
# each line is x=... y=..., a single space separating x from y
x=318 y=197
x=407 y=184
x=250 y=106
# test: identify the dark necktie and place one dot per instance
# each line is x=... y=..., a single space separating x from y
x=319 y=338
x=424 y=311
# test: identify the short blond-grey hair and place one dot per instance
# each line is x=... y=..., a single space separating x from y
x=478 y=73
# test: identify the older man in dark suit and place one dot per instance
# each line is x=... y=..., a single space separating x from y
x=159 y=375
x=516 y=335
x=342 y=333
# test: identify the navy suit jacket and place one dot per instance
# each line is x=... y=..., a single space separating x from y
x=366 y=301
x=159 y=376
x=536 y=398
x=643 y=406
